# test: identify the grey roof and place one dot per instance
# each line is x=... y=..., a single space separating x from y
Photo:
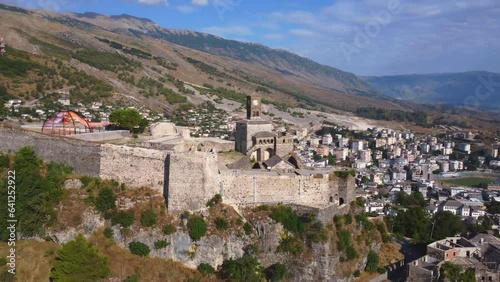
x=453 y=203
x=272 y=161
x=265 y=134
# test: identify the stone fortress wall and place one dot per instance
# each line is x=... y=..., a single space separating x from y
x=187 y=180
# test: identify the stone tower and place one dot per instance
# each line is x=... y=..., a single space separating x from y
x=254 y=107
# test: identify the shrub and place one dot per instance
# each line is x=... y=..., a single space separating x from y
x=381 y=270
x=221 y=223
x=217 y=199
x=108 y=232
x=347 y=219
x=338 y=221
x=138 y=248
x=276 y=272
x=206 y=269
x=124 y=218
x=4 y=161
x=105 y=200
x=356 y=273
x=161 y=244
x=292 y=245
x=169 y=229
x=148 y=218
x=351 y=253
x=197 y=227
x=3 y=261
x=246 y=268
x=248 y=228
x=290 y=220
x=372 y=261
x=344 y=239
x=132 y=278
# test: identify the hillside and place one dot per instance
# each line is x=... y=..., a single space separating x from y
x=196 y=58
x=285 y=63
x=124 y=60
x=456 y=89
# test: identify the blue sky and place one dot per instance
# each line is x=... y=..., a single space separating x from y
x=367 y=37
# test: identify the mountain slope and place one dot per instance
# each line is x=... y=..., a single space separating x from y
x=286 y=63
x=279 y=76
x=469 y=89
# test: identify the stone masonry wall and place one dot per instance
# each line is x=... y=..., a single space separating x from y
x=192 y=180
x=188 y=180
x=83 y=156
x=133 y=166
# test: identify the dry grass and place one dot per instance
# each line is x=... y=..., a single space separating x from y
x=227 y=213
x=124 y=264
x=389 y=254
x=34 y=262
x=34 y=259
x=70 y=210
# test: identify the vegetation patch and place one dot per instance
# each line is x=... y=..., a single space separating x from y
x=469 y=181
x=105 y=60
x=139 y=248
x=78 y=260
x=197 y=227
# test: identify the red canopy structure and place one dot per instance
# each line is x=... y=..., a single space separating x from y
x=66 y=123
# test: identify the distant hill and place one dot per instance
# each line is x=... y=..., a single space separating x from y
x=284 y=62
x=457 y=89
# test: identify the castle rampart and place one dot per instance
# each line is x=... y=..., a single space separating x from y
x=189 y=179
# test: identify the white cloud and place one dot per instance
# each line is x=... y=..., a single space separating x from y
x=152 y=2
x=301 y=32
x=273 y=36
x=228 y=30
x=419 y=36
x=185 y=9
x=200 y=2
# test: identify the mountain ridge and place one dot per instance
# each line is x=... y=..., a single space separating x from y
x=280 y=59
x=467 y=89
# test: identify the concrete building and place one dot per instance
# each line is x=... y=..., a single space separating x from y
x=464 y=148
x=481 y=254
x=327 y=139
x=456 y=165
x=357 y=145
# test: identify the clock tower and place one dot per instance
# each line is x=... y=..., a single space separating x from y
x=254 y=107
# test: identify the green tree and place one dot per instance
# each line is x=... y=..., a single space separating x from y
x=127 y=118
x=455 y=273
x=40 y=193
x=414 y=223
x=446 y=224
x=80 y=261
x=277 y=272
x=332 y=159
x=106 y=200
